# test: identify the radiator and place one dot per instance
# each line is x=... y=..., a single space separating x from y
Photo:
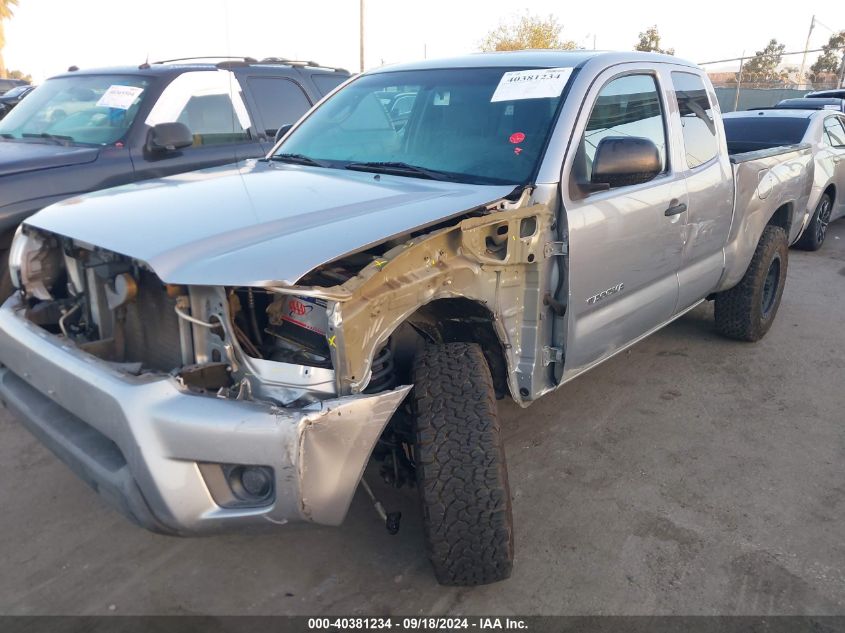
x=152 y=327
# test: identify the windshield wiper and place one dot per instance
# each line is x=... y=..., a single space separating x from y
x=400 y=169
x=57 y=138
x=298 y=159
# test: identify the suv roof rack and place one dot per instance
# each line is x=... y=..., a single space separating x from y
x=300 y=62
x=248 y=60
x=228 y=61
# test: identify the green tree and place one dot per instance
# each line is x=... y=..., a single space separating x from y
x=650 y=42
x=18 y=74
x=831 y=59
x=526 y=31
x=5 y=14
x=763 y=67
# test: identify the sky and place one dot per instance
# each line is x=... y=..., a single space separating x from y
x=47 y=36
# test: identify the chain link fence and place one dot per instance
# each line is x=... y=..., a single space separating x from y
x=794 y=78
x=731 y=99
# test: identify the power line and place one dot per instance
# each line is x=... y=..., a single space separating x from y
x=820 y=23
x=738 y=59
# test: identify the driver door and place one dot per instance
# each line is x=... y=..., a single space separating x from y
x=626 y=242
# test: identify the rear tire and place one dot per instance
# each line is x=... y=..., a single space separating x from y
x=747 y=311
x=460 y=464
x=813 y=236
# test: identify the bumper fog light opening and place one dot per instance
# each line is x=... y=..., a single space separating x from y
x=256 y=481
x=239 y=485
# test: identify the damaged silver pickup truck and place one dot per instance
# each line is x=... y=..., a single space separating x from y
x=231 y=347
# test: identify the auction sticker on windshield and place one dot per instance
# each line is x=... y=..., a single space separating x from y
x=531 y=84
x=121 y=97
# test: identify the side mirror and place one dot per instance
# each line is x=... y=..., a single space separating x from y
x=282 y=131
x=168 y=137
x=624 y=160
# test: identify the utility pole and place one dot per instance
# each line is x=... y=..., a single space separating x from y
x=842 y=72
x=806 y=47
x=361 y=34
x=739 y=81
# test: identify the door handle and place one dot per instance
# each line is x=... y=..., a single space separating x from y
x=675 y=210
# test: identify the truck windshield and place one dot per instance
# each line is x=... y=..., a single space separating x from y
x=85 y=109
x=444 y=124
x=750 y=133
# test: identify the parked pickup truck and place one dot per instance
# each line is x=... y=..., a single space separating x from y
x=90 y=129
x=230 y=347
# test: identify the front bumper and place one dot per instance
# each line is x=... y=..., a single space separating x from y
x=138 y=441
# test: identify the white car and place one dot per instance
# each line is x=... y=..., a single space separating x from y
x=824 y=130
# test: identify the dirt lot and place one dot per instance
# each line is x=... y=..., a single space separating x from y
x=687 y=475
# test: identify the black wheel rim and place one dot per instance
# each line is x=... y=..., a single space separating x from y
x=770 y=287
x=823 y=219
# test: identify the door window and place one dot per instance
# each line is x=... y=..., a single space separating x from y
x=279 y=101
x=834 y=133
x=697 y=124
x=627 y=106
x=209 y=103
x=326 y=83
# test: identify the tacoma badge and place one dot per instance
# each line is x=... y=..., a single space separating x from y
x=604 y=294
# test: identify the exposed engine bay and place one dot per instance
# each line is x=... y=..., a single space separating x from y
x=237 y=343
x=241 y=343
x=348 y=326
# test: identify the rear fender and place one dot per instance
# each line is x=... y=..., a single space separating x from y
x=768 y=190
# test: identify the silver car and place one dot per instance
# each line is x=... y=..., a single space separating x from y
x=824 y=132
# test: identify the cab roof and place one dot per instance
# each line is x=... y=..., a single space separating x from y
x=836 y=93
x=812 y=103
x=539 y=58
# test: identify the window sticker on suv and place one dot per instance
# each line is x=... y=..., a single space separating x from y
x=120 y=97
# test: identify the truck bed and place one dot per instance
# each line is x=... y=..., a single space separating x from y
x=766 y=181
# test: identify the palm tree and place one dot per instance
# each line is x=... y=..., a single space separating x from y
x=5 y=14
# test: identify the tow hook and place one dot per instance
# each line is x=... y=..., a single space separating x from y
x=391 y=519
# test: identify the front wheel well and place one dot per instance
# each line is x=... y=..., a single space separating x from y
x=454 y=320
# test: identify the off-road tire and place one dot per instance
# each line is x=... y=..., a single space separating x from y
x=740 y=312
x=813 y=236
x=460 y=464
